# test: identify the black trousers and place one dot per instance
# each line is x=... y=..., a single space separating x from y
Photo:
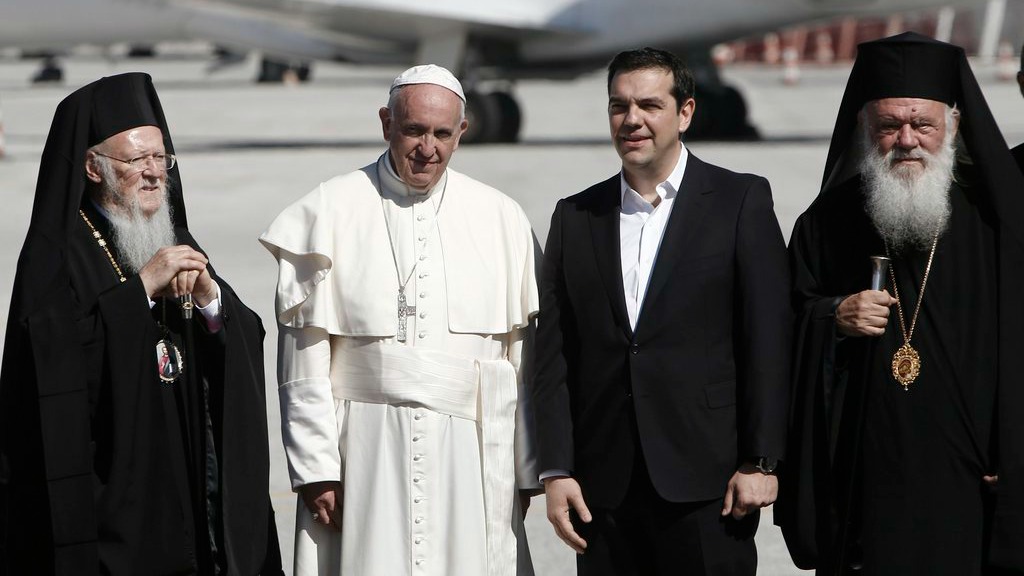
x=647 y=535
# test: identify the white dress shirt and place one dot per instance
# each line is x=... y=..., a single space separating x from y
x=641 y=228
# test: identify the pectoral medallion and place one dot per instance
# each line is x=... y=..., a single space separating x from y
x=906 y=365
x=169 y=363
x=906 y=362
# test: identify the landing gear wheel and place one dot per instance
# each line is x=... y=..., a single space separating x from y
x=492 y=117
x=483 y=114
x=276 y=72
x=511 y=117
x=271 y=71
x=721 y=114
x=49 y=72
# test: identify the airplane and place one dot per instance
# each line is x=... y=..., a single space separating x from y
x=488 y=44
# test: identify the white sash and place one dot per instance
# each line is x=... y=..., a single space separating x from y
x=482 y=391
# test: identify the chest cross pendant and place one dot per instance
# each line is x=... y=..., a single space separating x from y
x=404 y=311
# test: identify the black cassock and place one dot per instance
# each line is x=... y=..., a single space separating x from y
x=875 y=475
x=903 y=469
x=175 y=468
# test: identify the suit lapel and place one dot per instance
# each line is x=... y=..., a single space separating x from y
x=688 y=212
x=604 y=230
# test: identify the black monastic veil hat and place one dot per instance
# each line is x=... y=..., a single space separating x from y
x=910 y=65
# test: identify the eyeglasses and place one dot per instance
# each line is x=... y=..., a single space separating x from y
x=140 y=163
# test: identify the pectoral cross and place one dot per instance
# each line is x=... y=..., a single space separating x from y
x=404 y=311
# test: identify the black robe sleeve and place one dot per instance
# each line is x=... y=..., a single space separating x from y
x=828 y=259
x=806 y=524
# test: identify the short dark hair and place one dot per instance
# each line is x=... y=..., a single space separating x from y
x=647 y=58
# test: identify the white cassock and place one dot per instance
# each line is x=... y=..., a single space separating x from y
x=427 y=436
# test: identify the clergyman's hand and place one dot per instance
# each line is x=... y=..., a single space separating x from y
x=864 y=314
x=160 y=274
x=749 y=490
x=205 y=288
x=325 y=501
x=563 y=493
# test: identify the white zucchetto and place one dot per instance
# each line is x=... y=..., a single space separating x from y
x=429 y=74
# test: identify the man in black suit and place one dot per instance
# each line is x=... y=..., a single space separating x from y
x=663 y=347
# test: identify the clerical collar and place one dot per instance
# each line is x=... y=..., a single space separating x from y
x=393 y=185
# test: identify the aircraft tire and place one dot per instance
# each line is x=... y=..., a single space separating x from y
x=271 y=71
x=511 y=119
x=721 y=115
x=484 y=116
x=50 y=72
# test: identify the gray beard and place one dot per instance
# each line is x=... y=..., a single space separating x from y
x=908 y=209
x=136 y=237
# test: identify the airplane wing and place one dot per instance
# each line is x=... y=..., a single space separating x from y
x=380 y=32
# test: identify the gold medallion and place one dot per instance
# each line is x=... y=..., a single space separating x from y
x=906 y=365
x=906 y=362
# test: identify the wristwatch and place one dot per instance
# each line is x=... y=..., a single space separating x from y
x=766 y=464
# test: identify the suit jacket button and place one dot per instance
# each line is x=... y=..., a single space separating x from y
x=635 y=349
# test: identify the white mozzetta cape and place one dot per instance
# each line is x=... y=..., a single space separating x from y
x=337 y=272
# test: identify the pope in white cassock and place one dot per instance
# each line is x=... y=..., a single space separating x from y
x=404 y=298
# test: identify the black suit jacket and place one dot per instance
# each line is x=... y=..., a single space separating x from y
x=702 y=383
x=1018 y=155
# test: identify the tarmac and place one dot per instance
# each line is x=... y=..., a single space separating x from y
x=246 y=151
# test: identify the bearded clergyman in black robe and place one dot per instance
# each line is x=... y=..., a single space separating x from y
x=906 y=447
x=133 y=434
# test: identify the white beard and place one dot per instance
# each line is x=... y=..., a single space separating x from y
x=136 y=237
x=907 y=207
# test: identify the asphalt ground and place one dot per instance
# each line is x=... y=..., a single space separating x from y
x=246 y=151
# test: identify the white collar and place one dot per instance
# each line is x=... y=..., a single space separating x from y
x=392 y=184
x=668 y=188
